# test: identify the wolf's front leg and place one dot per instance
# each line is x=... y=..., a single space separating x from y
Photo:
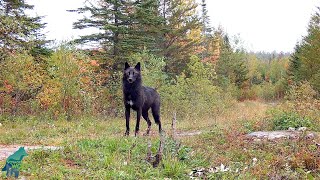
x=139 y=112
x=127 y=121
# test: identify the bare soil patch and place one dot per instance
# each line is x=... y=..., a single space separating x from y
x=7 y=150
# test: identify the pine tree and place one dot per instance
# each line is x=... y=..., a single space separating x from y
x=207 y=37
x=295 y=66
x=148 y=25
x=231 y=67
x=18 y=31
x=125 y=26
x=111 y=18
x=305 y=62
x=206 y=29
x=177 y=46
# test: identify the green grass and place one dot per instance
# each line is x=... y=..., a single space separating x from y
x=94 y=148
x=106 y=158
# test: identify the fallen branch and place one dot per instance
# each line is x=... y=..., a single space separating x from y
x=155 y=160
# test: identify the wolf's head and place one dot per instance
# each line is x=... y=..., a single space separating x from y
x=22 y=151
x=18 y=155
x=131 y=74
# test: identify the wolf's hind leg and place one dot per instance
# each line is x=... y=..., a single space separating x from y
x=146 y=117
x=156 y=115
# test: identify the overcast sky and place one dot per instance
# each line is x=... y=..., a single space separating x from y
x=263 y=25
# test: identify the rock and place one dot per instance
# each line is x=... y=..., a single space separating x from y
x=196 y=173
x=310 y=136
x=291 y=129
x=302 y=129
x=254 y=161
x=256 y=140
x=189 y=133
x=223 y=168
x=271 y=135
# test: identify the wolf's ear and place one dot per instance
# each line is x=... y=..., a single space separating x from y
x=137 y=67
x=126 y=66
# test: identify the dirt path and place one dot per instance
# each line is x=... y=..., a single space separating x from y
x=7 y=150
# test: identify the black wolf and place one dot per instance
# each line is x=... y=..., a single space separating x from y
x=139 y=98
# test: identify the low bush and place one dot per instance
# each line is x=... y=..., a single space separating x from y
x=284 y=120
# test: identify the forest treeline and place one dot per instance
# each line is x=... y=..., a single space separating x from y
x=192 y=65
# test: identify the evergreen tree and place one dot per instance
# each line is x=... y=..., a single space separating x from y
x=148 y=25
x=125 y=26
x=305 y=62
x=177 y=46
x=295 y=66
x=206 y=29
x=231 y=67
x=207 y=37
x=18 y=31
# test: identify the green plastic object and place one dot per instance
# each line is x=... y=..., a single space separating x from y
x=13 y=162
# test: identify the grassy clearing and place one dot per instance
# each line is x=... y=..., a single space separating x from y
x=94 y=148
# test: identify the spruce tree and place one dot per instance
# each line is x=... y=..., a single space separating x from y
x=295 y=66
x=125 y=27
x=207 y=37
x=111 y=17
x=149 y=26
x=305 y=62
x=177 y=47
x=19 y=31
x=231 y=67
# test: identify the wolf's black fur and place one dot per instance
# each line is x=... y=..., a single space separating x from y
x=139 y=98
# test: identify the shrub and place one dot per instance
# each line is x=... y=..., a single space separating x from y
x=20 y=80
x=284 y=120
x=193 y=95
x=70 y=89
x=302 y=98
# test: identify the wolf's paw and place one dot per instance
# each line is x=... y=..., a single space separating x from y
x=126 y=133
x=147 y=133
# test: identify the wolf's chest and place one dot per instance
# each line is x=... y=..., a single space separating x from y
x=130 y=102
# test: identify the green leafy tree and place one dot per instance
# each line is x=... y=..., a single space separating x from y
x=19 y=31
x=148 y=26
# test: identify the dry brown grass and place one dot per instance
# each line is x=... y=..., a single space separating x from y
x=239 y=112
